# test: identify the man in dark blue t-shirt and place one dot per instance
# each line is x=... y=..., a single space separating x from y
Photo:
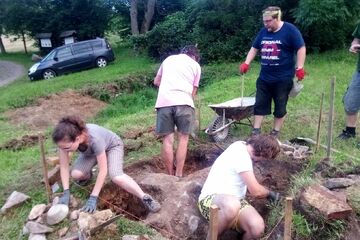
x=278 y=43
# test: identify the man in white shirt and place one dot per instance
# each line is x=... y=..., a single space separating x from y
x=230 y=177
x=178 y=80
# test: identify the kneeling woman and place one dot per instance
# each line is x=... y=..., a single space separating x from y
x=96 y=145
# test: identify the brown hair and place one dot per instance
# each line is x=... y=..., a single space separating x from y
x=191 y=51
x=273 y=11
x=265 y=146
x=68 y=128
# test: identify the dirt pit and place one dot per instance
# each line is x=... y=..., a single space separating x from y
x=169 y=191
x=47 y=111
x=18 y=144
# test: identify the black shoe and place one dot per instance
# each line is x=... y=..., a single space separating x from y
x=151 y=204
x=84 y=182
x=255 y=131
x=346 y=135
x=275 y=133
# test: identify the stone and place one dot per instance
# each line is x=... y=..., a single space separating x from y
x=62 y=232
x=36 y=228
x=88 y=221
x=41 y=219
x=53 y=161
x=36 y=211
x=55 y=201
x=15 y=199
x=325 y=202
x=74 y=215
x=131 y=237
x=74 y=202
x=25 y=231
x=341 y=195
x=56 y=214
x=332 y=183
x=193 y=223
x=353 y=194
x=53 y=175
x=34 y=236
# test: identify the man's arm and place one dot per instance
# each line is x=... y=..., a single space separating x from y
x=254 y=187
x=251 y=55
x=157 y=80
x=355 y=45
x=300 y=57
x=194 y=92
x=102 y=164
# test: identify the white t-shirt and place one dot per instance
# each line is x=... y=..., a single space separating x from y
x=179 y=75
x=224 y=176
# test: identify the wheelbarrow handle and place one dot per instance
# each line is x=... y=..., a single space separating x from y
x=207 y=131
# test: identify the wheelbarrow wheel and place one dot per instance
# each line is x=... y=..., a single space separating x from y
x=216 y=124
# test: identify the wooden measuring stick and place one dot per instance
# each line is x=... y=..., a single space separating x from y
x=288 y=218
x=242 y=88
x=45 y=170
x=319 y=123
x=213 y=228
x=331 y=117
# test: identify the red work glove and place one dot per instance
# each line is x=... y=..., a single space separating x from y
x=300 y=73
x=244 y=67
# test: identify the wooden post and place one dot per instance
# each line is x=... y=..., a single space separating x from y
x=288 y=218
x=199 y=115
x=331 y=117
x=45 y=170
x=319 y=123
x=213 y=228
x=242 y=88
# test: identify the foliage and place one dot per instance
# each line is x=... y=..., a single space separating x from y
x=327 y=24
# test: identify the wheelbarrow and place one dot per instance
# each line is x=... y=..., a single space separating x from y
x=228 y=113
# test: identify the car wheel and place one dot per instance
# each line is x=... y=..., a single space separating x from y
x=48 y=74
x=101 y=62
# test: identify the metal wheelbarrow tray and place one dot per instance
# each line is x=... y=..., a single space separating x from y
x=229 y=112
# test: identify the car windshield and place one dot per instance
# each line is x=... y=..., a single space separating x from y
x=49 y=56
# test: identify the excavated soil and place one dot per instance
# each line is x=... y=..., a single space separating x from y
x=47 y=111
x=18 y=144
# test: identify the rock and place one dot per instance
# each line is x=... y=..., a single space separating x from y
x=57 y=213
x=354 y=177
x=74 y=202
x=74 y=215
x=53 y=161
x=325 y=202
x=15 y=199
x=33 y=236
x=53 y=175
x=35 y=227
x=353 y=194
x=55 y=201
x=62 y=232
x=193 y=223
x=131 y=237
x=41 y=219
x=88 y=221
x=36 y=211
x=332 y=183
x=341 y=195
x=25 y=231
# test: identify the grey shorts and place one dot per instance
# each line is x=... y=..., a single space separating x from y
x=167 y=118
x=115 y=162
x=352 y=95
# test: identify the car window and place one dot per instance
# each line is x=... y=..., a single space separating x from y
x=49 y=56
x=64 y=53
x=96 y=44
x=82 y=48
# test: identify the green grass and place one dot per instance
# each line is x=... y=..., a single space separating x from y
x=133 y=111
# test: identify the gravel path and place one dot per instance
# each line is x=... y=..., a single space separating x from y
x=10 y=71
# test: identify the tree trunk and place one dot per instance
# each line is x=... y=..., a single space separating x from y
x=24 y=41
x=133 y=17
x=2 y=47
x=149 y=13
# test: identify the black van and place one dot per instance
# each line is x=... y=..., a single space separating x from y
x=73 y=57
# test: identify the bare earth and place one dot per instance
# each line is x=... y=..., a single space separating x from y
x=47 y=111
x=9 y=72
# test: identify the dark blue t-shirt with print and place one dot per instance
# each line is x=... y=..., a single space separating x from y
x=277 y=51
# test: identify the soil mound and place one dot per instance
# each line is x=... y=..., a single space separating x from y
x=48 y=110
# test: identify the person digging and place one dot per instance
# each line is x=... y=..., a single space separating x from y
x=230 y=177
x=95 y=145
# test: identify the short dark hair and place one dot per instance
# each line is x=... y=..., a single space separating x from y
x=192 y=51
x=265 y=146
x=68 y=129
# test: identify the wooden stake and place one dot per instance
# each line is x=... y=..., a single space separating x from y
x=331 y=117
x=43 y=158
x=319 y=123
x=288 y=218
x=213 y=229
x=242 y=88
x=199 y=114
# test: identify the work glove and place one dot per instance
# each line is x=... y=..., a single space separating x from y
x=300 y=73
x=65 y=198
x=90 y=205
x=244 y=67
x=274 y=197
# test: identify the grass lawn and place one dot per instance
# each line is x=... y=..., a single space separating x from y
x=134 y=111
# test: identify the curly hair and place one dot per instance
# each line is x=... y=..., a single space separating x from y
x=68 y=129
x=265 y=146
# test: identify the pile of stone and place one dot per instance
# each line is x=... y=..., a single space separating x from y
x=296 y=151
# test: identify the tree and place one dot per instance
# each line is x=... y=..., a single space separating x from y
x=2 y=9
